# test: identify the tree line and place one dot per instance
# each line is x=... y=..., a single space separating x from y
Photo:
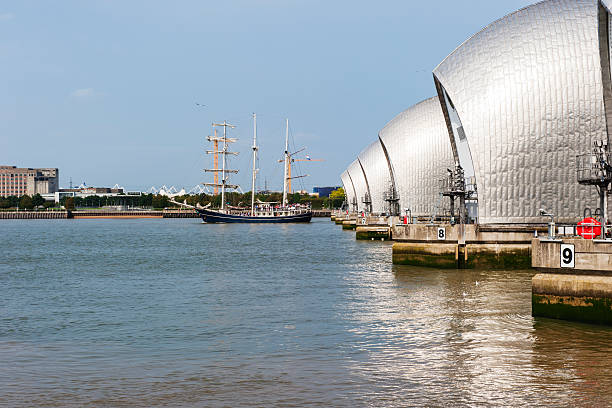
x=25 y=201
x=156 y=201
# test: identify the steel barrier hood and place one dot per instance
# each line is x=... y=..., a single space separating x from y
x=521 y=99
x=417 y=144
x=358 y=178
x=349 y=189
x=378 y=179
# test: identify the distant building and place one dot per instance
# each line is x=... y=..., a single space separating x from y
x=324 y=191
x=89 y=191
x=93 y=190
x=15 y=181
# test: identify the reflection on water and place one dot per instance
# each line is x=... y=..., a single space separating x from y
x=176 y=313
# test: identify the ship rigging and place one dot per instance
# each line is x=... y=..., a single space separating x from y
x=263 y=212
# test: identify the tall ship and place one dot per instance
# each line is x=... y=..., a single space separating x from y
x=259 y=212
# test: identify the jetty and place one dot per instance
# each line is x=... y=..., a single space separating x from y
x=34 y=215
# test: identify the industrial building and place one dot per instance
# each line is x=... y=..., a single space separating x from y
x=324 y=191
x=516 y=104
x=85 y=191
x=17 y=181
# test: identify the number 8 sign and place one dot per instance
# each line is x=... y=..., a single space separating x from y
x=567 y=256
x=441 y=234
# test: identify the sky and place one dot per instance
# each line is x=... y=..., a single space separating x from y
x=106 y=91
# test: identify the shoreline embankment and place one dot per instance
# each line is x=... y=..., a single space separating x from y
x=104 y=214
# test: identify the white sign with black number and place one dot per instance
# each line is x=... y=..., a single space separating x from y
x=441 y=234
x=567 y=256
x=363 y=221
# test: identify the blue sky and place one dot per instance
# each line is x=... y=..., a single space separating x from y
x=106 y=90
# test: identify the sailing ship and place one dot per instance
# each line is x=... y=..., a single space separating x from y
x=268 y=213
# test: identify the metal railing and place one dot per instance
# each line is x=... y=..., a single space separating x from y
x=592 y=168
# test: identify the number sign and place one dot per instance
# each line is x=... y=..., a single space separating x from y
x=363 y=221
x=567 y=256
x=441 y=234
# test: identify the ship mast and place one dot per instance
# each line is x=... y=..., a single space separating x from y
x=216 y=163
x=224 y=171
x=254 y=161
x=285 y=176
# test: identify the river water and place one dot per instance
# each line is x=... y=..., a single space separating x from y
x=157 y=313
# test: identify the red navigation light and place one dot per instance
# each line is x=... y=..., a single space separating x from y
x=589 y=228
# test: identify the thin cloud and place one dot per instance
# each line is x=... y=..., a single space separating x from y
x=6 y=16
x=82 y=93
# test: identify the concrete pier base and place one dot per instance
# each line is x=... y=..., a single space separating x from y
x=426 y=254
x=463 y=246
x=373 y=232
x=575 y=280
x=349 y=224
x=497 y=256
x=468 y=256
x=589 y=256
x=580 y=298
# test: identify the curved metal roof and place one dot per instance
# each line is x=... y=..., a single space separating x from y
x=349 y=189
x=522 y=97
x=378 y=178
x=359 y=182
x=419 y=149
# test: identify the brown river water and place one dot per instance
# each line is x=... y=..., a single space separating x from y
x=175 y=313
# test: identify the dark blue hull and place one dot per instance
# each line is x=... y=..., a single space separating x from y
x=213 y=217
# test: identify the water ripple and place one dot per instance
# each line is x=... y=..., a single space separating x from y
x=156 y=313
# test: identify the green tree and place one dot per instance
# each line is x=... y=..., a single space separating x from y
x=69 y=203
x=337 y=194
x=37 y=200
x=26 y=202
x=294 y=198
x=316 y=203
x=13 y=200
x=145 y=200
x=204 y=199
x=336 y=198
x=160 y=201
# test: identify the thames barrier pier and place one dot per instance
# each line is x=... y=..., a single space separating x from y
x=463 y=246
x=509 y=142
x=574 y=280
x=373 y=228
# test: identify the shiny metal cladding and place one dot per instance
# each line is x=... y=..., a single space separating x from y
x=358 y=178
x=418 y=147
x=523 y=97
x=378 y=178
x=349 y=189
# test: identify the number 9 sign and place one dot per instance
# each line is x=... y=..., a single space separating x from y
x=567 y=256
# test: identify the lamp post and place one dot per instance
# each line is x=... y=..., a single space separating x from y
x=551 y=224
